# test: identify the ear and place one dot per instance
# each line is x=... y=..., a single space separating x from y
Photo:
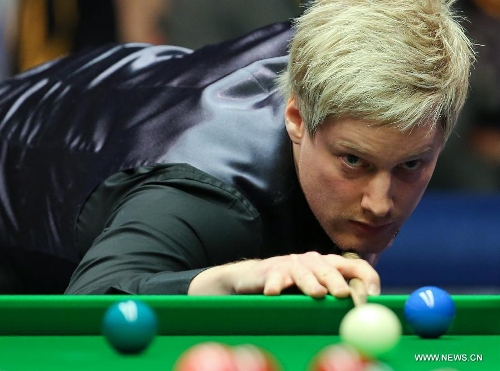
x=293 y=121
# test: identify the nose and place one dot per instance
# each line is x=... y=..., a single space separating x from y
x=377 y=198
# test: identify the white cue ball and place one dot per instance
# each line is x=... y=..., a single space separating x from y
x=372 y=329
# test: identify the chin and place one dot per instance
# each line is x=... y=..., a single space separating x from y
x=363 y=247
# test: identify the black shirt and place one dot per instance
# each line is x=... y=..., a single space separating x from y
x=152 y=230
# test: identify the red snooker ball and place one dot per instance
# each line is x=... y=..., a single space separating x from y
x=338 y=357
x=249 y=357
x=213 y=356
x=208 y=356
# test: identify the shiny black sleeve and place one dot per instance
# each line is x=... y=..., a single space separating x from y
x=162 y=234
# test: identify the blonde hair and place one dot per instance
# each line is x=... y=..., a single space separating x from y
x=392 y=62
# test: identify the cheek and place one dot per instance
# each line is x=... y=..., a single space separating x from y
x=315 y=173
x=409 y=194
x=325 y=188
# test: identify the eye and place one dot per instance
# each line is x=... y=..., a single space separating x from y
x=411 y=165
x=352 y=160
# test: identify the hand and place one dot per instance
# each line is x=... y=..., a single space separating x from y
x=314 y=274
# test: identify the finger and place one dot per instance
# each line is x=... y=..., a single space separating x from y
x=326 y=272
x=276 y=282
x=305 y=279
x=333 y=280
x=358 y=269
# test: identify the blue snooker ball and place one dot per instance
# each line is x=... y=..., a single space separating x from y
x=129 y=326
x=429 y=311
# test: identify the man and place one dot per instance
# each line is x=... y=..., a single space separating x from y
x=159 y=171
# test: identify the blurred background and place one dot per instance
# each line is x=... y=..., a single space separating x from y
x=34 y=31
x=453 y=238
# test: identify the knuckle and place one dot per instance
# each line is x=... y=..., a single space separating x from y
x=363 y=265
x=312 y=254
x=359 y=264
x=294 y=257
x=326 y=274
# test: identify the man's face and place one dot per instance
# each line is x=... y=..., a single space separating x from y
x=362 y=182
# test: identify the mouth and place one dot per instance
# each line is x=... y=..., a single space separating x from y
x=371 y=228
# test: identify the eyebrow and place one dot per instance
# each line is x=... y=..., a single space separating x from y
x=355 y=148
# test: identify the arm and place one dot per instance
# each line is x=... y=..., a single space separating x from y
x=164 y=233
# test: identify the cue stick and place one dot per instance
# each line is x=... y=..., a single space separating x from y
x=358 y=289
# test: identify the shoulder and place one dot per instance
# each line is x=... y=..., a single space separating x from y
x=183 y=180
x=164 y=197
x=171 y=200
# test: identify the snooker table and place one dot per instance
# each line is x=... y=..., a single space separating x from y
x=64 y=332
